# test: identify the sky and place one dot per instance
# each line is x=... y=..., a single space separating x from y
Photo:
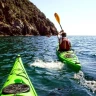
x=77 y=17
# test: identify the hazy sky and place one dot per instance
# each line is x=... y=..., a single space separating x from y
x=78 y=17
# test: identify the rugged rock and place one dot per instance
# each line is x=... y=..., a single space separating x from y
x=22 y=17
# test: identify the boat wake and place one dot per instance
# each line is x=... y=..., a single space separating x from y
x=49 y=65
x=91 y=85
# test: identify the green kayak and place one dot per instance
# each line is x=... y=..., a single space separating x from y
x=70 y=59
x=18 y=82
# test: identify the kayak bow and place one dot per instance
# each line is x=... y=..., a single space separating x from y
x=18 y=82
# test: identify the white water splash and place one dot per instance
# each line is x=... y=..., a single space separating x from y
x=49 y=65
x=86 y=83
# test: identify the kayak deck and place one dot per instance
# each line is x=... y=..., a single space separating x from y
x=18 y=82
x=70 y=59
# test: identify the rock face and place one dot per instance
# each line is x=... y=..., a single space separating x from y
x=22 y=17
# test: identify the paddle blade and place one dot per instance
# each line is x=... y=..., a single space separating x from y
x=57 y=17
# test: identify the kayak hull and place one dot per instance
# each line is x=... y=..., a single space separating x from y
x=18 y=75
x=70 y=59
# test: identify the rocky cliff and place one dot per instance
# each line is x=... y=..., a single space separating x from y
x=22 y=17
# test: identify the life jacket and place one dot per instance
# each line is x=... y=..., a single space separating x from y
x=65 y=44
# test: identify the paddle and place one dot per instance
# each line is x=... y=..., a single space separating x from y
x=58 y=19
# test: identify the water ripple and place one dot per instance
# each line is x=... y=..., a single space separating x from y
x=49 y=76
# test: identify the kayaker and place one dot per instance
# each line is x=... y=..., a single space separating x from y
x=64 y=43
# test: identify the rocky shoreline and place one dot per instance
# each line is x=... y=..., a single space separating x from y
x=23 y=18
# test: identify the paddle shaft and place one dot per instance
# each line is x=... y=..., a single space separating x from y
x=60 y=26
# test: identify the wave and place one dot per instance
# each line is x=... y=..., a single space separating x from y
x=91 y=85
x=56 y=65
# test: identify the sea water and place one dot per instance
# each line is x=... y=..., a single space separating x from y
x=49 y=76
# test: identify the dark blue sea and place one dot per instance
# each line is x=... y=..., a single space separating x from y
x=49 y=76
